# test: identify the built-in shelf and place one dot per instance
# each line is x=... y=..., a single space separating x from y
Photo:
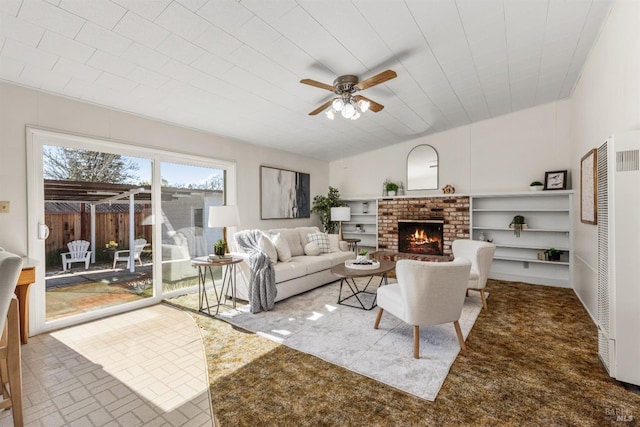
x=548 y=216
x=367 y=220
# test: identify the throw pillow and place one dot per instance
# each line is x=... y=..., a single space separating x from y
x=282 y=248
x=334 y=243
x=293 y=241
x=321 y=239
x=303 y=231
x=269 y=248
x=312 y=249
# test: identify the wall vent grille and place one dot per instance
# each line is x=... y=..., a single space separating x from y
x=603 y=256
x=628 y=161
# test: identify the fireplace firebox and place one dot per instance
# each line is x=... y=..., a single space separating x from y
x=422 y=236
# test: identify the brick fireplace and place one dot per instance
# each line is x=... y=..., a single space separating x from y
x=452 y=210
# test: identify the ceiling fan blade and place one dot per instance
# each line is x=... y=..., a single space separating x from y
x=373 y=105
x=377 y=79
x=318 y=84
x=321 y=108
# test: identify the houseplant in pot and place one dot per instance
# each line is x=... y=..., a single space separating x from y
x=220 y=248
x=322 y=205
x=392 y=187
x=536 y=186
x=553 y=254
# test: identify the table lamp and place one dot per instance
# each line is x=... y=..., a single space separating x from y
x=223 y=216
x=342 y=213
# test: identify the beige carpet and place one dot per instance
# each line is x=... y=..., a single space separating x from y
x=531 y=360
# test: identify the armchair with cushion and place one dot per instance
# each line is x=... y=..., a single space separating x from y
x=10 y=346
x=481 y=256
x=427 y=293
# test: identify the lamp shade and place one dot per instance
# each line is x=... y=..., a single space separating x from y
x=223 y=216
x=341 y=214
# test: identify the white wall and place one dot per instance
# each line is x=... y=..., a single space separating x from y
x=20 y=106
x=605 y=101
x=505 y=153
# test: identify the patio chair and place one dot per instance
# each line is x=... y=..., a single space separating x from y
x=123 y=255
x=78 y=252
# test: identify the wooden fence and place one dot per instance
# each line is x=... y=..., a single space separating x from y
x=65 y=227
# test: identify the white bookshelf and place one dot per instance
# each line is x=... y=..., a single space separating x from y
x=367 y=220
x=548 y=215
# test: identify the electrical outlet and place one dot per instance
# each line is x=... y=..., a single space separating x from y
x=4 y=207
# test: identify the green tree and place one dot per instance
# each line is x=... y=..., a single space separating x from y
x=322 y=205
x=88 y=166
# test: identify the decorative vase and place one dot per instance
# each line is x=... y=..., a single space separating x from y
x=391 y=193
x=365 y=207
x=535 y=187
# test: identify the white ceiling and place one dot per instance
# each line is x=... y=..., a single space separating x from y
x=233 y=68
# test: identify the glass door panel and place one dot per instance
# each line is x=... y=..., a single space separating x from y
x=103 y=199
x=187 y=192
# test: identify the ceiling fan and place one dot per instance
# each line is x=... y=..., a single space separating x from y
x=347 y=103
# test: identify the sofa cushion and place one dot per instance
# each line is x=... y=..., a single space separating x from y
x=289 y=270
x=312 y=249
x=267 y=246
x=321 y=239
x=303 y=231
x=313 y=264
x=334 y=243
x=336 y=258
x=282 y=248
x=293 y=240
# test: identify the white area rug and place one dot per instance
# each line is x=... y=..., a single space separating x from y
x=315 y=324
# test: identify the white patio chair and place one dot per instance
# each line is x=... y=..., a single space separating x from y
x=123 y=255
x=78 y=252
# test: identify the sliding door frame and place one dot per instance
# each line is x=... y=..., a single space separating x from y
x=36 y=138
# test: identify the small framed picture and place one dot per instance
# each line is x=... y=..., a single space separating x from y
x=556 y=180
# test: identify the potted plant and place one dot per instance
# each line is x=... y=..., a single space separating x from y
x=536 y=186
x=517 y=224
x=219 y=248
x=553 y=254
x=322 y=205
x=392 y=187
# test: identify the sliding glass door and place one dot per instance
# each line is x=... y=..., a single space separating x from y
x=143 y=213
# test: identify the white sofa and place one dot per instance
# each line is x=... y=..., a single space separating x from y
x=302 y=272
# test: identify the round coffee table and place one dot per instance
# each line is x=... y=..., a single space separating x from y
x=348 y=276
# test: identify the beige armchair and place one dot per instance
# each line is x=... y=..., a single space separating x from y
x=10 y=347
x=481 y=256
x=427 y=293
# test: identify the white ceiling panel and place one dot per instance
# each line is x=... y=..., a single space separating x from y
x=102 y=12
x=51 y=17
x=148 y=9
x=19 y=30
x=59 y=45
x=103 y=39
x=233 y=67
x=182 y=22
x=141 y=30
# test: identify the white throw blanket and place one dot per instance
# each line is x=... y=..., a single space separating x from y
x=262 y=285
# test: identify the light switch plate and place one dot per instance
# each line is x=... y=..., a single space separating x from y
x=4 y=207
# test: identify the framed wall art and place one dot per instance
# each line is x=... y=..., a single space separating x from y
x=556 y=180
x=284 y=193
x=589 y=187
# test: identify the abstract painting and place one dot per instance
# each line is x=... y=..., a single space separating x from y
x=284 y=193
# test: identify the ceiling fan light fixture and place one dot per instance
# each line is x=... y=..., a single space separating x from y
x=364 y=105
x=331 y=114
x=348 y=111
x=337 y=104
x=356 y=115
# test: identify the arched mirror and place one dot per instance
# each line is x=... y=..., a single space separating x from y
x=422 y=168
